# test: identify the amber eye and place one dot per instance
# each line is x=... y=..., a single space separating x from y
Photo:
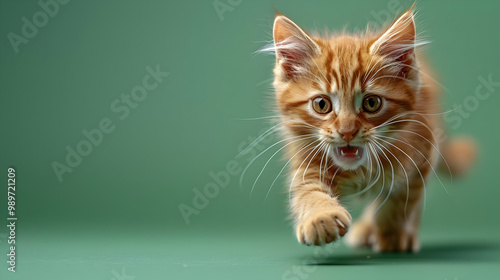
x=372 y=103
x=322 y=105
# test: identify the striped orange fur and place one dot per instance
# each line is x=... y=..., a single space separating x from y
x=358 y=116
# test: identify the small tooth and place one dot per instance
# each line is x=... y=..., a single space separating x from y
x=341 y=152
x=357 y=151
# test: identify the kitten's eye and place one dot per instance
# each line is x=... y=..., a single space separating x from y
x=372 y=103
x=322 y=105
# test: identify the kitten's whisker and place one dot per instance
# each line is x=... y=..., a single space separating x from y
x=375 y=156
x=434 y=138
x=255 y=119
x=250 y=163
x=387 y=122
x=282 y=169
x=370 y=164
x=418 y=169
x=404 y=171
x=333 y=177
x=298 y=169
x=427 y=75
x=377 y=145
x=326 y=155
x=422 y=155
x=380 y=167
x=327 y=145
x=302 y=123
x=260 y=137
x=319 y=149
x=270 y=131
x=421 y=176
x=411 y=120
x=309 y=125
x=434 y=146
x=369 y=171
x=267 y=162
x=310 y=151
x=371 y=182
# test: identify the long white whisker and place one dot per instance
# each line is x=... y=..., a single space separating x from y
x=415 y=121
x=380 y=167
x=377 y=145
x=436 y=148
x=282 y=169
x=267 y=162
x=262 y=136
x=418 y=169
x=255 y=119
x=333 y=177
x=389 y=120
x=319 y=149
x=326 y=147
x=298 y=169
x=404 y=170
x=421 y=154
x=255 y=158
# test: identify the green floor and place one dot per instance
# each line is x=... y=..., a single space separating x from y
x=450 y=254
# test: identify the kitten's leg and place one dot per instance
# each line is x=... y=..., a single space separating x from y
x=361 y=232
x=396 y=229
x=319 y=217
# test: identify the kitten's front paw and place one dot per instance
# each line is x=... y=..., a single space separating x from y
x=323 y=227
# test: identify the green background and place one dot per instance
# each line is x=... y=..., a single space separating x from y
x=117 y=213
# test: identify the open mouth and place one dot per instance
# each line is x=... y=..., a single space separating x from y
x=349 y=156
x=350 y=152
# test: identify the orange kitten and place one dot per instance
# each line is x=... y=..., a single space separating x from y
x=358 y=115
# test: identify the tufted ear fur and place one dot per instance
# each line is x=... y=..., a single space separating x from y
x=397 y=43
x=294 y=47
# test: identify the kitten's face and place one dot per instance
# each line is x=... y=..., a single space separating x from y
x=340 y=90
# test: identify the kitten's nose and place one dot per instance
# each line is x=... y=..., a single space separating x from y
x=348 y=135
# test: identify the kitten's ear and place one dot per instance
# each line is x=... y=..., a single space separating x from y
x=294 y=47
x=398 y=41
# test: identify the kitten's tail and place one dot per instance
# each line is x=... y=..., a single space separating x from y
x=460 y=154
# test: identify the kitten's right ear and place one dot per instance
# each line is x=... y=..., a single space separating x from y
x=294 y=47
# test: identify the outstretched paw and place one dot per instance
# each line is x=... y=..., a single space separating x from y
x=323 y=227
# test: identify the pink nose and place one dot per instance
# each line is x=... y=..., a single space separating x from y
x=348 y=135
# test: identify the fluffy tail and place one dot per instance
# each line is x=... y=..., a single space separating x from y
x=460 y=154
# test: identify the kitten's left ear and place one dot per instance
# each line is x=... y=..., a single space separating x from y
x=294 y=47
x=398 y=41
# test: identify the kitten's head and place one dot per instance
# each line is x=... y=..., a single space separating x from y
x=338 y=90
